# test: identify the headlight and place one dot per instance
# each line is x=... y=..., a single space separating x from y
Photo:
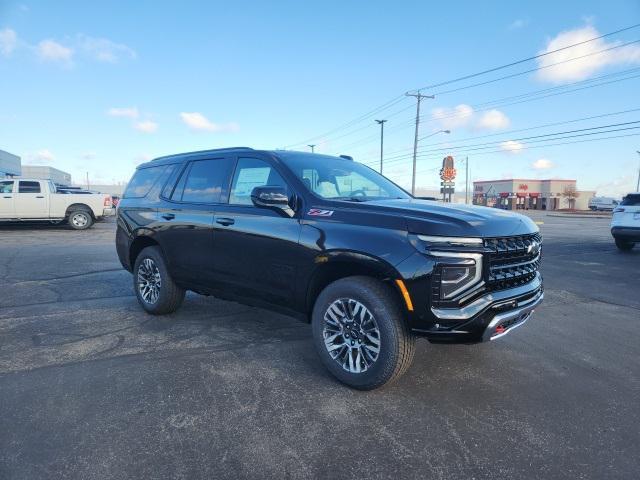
x=458 y=272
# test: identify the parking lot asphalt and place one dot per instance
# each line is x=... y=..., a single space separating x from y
x=91 y=387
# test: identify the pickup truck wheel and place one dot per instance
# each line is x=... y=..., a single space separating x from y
x=624 y=246
x=360 y=334
x=80 y=219
x=156 y=291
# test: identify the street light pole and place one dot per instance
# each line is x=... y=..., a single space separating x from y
x=381 y=123
x=466 y=182
x=419 y=97
x=313 y=148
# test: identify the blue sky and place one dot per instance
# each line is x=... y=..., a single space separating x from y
x=100 y=88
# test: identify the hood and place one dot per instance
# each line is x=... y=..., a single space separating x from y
x=449 y=219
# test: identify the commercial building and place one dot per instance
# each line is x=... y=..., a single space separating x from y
x=10 y=164
x=530 y=194
x=46 y=173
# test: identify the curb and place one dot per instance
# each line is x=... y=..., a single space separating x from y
x=575 y=216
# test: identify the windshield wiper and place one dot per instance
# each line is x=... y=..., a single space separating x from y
x=352 y=199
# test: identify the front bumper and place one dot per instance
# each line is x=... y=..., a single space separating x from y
x=488 y=317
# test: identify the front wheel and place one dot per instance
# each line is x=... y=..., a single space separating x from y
x=156 y=291
x=623 y=245
x=360 y=333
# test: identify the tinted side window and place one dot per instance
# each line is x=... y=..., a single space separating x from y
x=251 y=173
x=142 y=181
x=6 y=186
x=29 y=187
x=631 y=200
x=205 y=182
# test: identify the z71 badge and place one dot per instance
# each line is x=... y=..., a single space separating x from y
x=317 y=212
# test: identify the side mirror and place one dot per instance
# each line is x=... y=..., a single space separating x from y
x=272 y=197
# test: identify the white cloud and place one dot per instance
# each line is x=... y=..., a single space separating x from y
x=104 y=50
x=198 y=122
x=88 y=156
x=146 y=126
x=542 y=164
x=41 y=156
x=618 y=187
x=450 y=118
x=512 y=146
x=493 y=120
x=8 y=41
x=517 y=24
x=126 y=112
x=582 y=68
x=52 y=51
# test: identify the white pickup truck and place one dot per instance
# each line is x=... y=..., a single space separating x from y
x=25 y=199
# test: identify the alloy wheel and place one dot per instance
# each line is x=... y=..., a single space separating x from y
x=149 y=281
x=79 y=220
x=351 y=335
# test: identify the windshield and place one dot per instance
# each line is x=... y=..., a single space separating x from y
x=340 y=179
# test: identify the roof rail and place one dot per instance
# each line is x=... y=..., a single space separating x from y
x=202 y=151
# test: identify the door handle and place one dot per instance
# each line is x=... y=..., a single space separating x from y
x=225 y=221
x=168 y=216
x=7 y=197
x=39 y=196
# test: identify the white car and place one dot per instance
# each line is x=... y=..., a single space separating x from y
x=625 y=224
x=38 y=200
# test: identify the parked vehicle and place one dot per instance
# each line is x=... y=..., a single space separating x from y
x=602 y=204
x=38 y=200
x=625 y=223
x=333 y=242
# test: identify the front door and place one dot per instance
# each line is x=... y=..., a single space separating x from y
x=7 y=208
x=30 y=201
x=256 y=249
x=184 y=226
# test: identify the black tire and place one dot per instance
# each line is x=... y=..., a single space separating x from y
x=170 y=296
x=80 y=219
x=396 y=342
x=624 y=245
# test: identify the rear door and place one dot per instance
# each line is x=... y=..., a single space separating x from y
x=185 y=218
x=256 y=249
x=7 y=202
x=31 y=201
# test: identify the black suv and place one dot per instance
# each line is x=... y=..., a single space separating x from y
x=330 y=241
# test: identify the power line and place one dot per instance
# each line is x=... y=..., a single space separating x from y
x=399 y=98
x=524 y=60
x=518 y=99
x=536 y=69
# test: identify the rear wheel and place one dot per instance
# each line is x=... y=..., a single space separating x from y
x=80 y=219
x=623 y=245
x=156 y=291
x=360 y=333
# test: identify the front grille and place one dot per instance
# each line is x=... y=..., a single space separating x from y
x=513 y=261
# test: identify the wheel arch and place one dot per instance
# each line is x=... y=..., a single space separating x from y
x=141 y=241
x=332 y=266
x=79 y=206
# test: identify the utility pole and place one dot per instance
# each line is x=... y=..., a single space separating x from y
x=313 y=148
x=381 y=123
x=638 y=184
x=466 y=182
x=87 y=180
x=419 y=97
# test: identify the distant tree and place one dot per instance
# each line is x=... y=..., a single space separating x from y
x=570 y=194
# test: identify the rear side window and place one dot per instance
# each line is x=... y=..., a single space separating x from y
x=631 y=201
x=28 y=187
x=142 y=181
x=6 y=186
x=204 y=181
